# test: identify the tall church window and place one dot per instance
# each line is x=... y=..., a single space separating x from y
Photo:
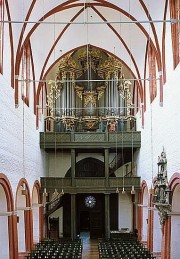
x=25 y=83
x=1 y=34
x=175 y=30
x=152 y=73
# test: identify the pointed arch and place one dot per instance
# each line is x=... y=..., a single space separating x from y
x=12 y=220
x=175 y=27
x=37 y=212
x=23 y=206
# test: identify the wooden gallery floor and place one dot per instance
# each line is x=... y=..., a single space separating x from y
x=90 y=247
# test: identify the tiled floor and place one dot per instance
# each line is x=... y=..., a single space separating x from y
x=90 y=247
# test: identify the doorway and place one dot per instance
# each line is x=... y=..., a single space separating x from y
x=54 y=228
x=90 y=219
x=84 y=221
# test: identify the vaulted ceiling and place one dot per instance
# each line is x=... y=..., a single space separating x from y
x=118 y=27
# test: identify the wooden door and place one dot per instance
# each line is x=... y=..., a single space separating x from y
x=54 y=228
x=96 y=224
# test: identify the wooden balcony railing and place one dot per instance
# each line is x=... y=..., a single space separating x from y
x=89 y=184
x=49 y=140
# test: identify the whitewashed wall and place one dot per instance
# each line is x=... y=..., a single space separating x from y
x=157 y=233
x=125 y=211
x=60 y=162
x=162 y=131
x=11 y=139
x=145 y=215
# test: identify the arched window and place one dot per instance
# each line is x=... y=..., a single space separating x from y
x=152 y=73
x=1 y=34
x=175 y=30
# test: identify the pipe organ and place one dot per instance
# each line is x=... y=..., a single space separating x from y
x=90 y=93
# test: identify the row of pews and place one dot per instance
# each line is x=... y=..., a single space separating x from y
x=55 y=249
x=123 y=249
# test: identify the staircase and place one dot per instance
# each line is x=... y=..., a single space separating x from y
x=54 y=204
x=119 y=161
x=115 y=163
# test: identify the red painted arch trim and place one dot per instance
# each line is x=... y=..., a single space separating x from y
x=8 y=191
x=143 y=186
x=28 y=227
x=103 y=3
x=125 y=45
x=163 y=44
x=20 y=45
x=101 y=49
x=11 y=43
x=12 y=222
x=33 y=75
x=174 y=32
x=59 y=8
x=154 y=180
x=37 y=186
x=156 y=51
x=174 y=181
x=112 y=6
x=28 y=199
x=145 y=68
x=18 y=55
x=155 y=35
x=166 y=242
x=72 y=50
x=139 y=25
x=150 y=225
x=51 y=50
x=2 y=7
x=139 y=85
x=41 y=210
x=140 y=210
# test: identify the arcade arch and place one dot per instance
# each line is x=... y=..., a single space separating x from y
x=145 y=215
x=23 y=207
x=175 y=224
x=8 y=227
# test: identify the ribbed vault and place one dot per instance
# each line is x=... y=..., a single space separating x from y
x=54 y=28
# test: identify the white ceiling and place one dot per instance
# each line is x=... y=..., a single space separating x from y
x=109 y=25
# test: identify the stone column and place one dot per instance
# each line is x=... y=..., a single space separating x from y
x=13 y=237
x=150 y=226
x=73 y=166
x=106 y=164
x=73 y=216
x=107 y=216
x=28 y=229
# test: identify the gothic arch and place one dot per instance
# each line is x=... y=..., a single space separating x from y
x=88 y=167
x=37 y=213
x=173 y=228
x=145 y=201
x=23 y=206
x=9 y=222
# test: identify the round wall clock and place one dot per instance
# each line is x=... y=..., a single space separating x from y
x=90 y=201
